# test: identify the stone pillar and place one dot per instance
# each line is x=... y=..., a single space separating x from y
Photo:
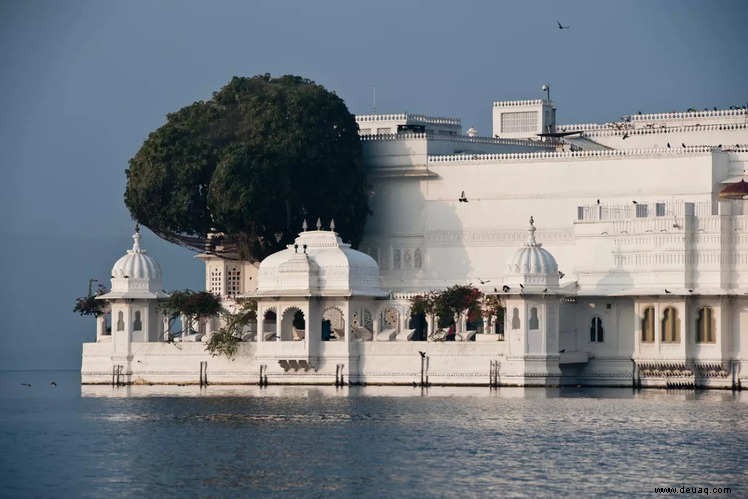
x=185 y=327
x=260 y=325
x=375 y=328
x=100 y=326
x=278 y=323
x=486 y=325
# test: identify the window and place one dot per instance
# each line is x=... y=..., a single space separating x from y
x=396 y=259
x=417 y=258
x=705 y=325
x=580 y=212
x=515 y=318
x=648 y=325
x=522 y=121
x=596 y=330
x=660 y=209
x=233 y=281
x=216 y=282
x=120 y=321
x=534 y=322
x=642 y=211
x=670 y=326
x=137 y=323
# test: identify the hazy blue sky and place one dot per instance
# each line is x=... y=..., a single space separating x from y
x=83 y=82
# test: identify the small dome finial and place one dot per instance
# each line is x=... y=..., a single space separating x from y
x=332 y=224
x=304 y=225
x=136 y=239
x=319 y=224
x=531 y=238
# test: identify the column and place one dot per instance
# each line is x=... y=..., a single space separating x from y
x=375 y=328
x=260 y=324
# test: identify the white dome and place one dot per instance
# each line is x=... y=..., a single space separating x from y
x=136 y=275
x=319 y=263
x=533 y=265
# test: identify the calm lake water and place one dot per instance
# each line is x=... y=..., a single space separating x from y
x=73 y=441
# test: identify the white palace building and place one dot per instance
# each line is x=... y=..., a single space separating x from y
x=619 y=252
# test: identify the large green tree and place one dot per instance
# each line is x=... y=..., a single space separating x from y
x=253 y=161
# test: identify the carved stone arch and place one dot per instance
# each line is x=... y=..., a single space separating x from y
x=335 y=330
x=286 y=308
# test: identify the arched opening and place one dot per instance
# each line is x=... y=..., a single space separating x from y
x=596 y=330
x=498 y=323
x=670 y=326
x=292 y=325
x=534 y=321
x=120 y=321
x=705 y=326
x=108 y=322
x=333 y=325
x=419 y=324
x=362 y=325
x=515 y=318
x=137 y=323
x=648 y=325
x=391 y=320
x=269 y=320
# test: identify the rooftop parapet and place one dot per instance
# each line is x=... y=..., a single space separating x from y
x=593 y=129
x=456 y=138
x=410 y=118
x=521 y=102
x=717 y=113
x=610 y=153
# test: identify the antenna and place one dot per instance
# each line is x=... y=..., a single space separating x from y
x=373 y=99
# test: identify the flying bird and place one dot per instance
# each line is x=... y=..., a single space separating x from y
x=423 y=354
x=483 y=282
x=683 y=144
x=668 y=145
x=561 y=26
x=462 y=198
x=25 y=384
x=598 y=201
x=634 y=202
x=53 y=383
x=545 y=290
x=667 y=292
x=561 y=275
x=625 y=136
x=505 y=288
x=690 y=290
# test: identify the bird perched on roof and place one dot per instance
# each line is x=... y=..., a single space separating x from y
x=667 y=292
x=683 y=144
x=506 y=288
x=561 y=26
x=668 y=145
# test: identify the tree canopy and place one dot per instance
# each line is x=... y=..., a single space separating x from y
x=253 y=161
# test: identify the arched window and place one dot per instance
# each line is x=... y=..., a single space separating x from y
x=137 y=323
x=396 y=259
x=705 y=325
x=515 y=318
x=417 y=258
x=596 y=330
x=648 y=325
x=670 y=326
x=534 y=323
x=120 y=321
